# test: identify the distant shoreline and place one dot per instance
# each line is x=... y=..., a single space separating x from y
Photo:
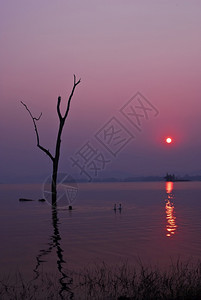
x=113 y=180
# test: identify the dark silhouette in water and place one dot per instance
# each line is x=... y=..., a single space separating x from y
x=25 y=199
x=55 y=242
x=54 y=158
x=41 y=200
x=173 y=178
x=170 y=177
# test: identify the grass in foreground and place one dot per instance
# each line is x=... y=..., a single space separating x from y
x=180 y=281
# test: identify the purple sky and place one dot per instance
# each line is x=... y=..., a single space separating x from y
x=117 y=48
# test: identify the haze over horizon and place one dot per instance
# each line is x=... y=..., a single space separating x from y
x=149 y=49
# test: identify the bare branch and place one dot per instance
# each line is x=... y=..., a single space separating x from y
x=76 y=83
x=37 y=119
x=58 y=108
x=71 y=95
x=34 y=119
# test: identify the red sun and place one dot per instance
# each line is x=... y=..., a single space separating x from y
x=168 y=140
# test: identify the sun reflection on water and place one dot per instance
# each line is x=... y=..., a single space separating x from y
x=170 y=210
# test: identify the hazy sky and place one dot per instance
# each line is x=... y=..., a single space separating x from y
x=118 y=48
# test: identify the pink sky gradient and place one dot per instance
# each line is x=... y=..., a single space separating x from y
x=117 y=48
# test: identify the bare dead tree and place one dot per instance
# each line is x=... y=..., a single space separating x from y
x=54 y=158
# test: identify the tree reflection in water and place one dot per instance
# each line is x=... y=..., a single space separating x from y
x=170 y=210
x=65 y=281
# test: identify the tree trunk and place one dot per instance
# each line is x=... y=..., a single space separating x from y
x=56 y=163
x=54 y=182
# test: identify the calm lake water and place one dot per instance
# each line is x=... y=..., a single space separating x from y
x=159 y=221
